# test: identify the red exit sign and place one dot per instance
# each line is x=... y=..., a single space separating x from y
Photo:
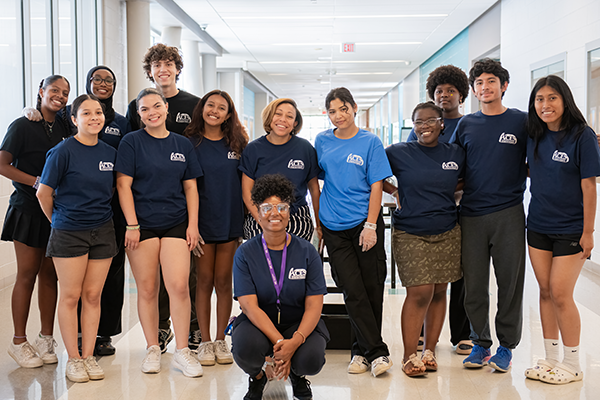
x=347 y=47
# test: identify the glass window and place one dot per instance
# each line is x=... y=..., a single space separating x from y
x=557 y=68
x=67 y=60
x=593 y=110
x=41 y=45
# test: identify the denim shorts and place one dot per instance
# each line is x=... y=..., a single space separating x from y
x=99 y=243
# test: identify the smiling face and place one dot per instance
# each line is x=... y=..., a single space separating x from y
x=55 y=95
x=274 y=220
x=153 y=111
x=488 y=89
x=447 y=97
x=215 y=111
x=342 y=114
x=102 y=90
x=284 y=121
x=428 y=125
x=549 y=106
x=90 y=117
x=164 y=73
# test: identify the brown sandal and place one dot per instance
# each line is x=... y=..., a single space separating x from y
x=414 y=369
x=428 y=358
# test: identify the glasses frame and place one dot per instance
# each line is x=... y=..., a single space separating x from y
x=419 y=123
x=282 y=208
x=101 y=80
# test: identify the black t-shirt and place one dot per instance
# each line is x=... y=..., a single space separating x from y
x=181 y=108
x=28 y=143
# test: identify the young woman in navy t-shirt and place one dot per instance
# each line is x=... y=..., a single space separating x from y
x=156 y=181
x=82 y=242
x=218 y=139
x=564 y=161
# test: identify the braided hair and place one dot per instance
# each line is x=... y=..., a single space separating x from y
x=43 y=85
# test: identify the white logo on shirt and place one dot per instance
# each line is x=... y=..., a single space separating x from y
x=560 y=156
x=508 y=138
x=183 y=118
x=105 y=166
x=450 y=165
x=112 y=131
x=297 y=274
x=296 y=164
x=177 y=157
x=232 y=155
x=355 y=159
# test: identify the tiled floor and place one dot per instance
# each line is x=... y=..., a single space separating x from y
x=124 y=380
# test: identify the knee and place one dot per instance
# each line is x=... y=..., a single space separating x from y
x=420 y=299
x=545 y=294
x=91 y=297
x=308 y=363
x=179 y=291
x=560 y=297
x=70 y=298
x=223 y=287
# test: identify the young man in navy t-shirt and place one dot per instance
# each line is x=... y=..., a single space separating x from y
x=492 y=216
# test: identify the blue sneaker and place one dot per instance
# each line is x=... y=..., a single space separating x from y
x=501 y=360
x=478 y=358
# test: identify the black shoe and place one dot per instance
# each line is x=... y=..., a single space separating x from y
x=300 y=387
x=164 y=338
x=194 y=340
x=104 y=346
x=256 y=387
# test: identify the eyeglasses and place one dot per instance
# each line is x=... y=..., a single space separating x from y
x=98 y=81
x=266 y=208
x=429 y=122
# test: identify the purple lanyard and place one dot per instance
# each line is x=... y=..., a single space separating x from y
x=278 y=285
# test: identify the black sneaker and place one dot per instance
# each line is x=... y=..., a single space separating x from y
x=104 y=346
x=164 y=338
x=300 y=387
x=194 y=340
x=256 y=387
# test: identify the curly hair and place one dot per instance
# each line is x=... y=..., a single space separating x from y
x=160 y=52
x=272 y=185
x=488 y=66
x=448 y=74
x=269 y=112
x=235 y=137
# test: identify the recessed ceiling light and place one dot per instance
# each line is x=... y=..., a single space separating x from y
x=335 y=62
x=365 y=73
x=339 y=44
x=297 y=17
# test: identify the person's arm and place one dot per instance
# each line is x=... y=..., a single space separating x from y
x=315 y=194
x=588 y=187
x=132 y=236
x=368 y=236
x=247 y=185
x=45 y=195
x=193 y=203
x=11 y=172
x=249 y=305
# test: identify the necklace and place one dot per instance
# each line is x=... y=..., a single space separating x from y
x=50 y=126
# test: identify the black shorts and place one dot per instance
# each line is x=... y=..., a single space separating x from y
x=558 y=244
x=177 y=231
x=98 y=243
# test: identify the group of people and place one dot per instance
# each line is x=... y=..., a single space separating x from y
x=176 y=186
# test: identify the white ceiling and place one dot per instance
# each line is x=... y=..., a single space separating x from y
x=293 y=46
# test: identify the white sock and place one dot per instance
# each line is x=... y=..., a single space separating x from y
x=552 y=349
x=572 y=357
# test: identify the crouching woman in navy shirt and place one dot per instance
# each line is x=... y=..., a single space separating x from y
x=75 y=194
x=279 y=283
x=564 y=161
x=156 y=182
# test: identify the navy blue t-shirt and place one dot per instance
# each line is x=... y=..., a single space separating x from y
x=556 y=205
x=158 y=167
x=83 y=180
x=303 y=277
x=495 y=147
x=114 y=132
x=449 y=128
x=427 y=178
x=296 y=160
x=221 y=214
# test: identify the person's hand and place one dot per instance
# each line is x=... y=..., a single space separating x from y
x=587 y=244
x=198 y=251
x=282 y=369
x=319 y=232
x=368 y=237
x=192 y=237
x=285 y=349
x=132 y=238
x=31 y=114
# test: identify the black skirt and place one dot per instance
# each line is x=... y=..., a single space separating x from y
x=31 y=230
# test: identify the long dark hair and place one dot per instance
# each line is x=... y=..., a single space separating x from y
x=572 y=121
x=235 y=137
x=43 y=85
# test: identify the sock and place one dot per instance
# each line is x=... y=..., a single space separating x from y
x=45 y=336
x=572 y=357
x=552 y=349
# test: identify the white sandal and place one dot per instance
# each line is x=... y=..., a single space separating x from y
x=561 y=374
x=428 y=358
x=539 y=368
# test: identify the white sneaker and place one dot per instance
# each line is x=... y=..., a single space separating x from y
x=187 y=363
x=206 y=353
x=380 y=365
x=44 y=345
x=358 y=365
x=94 y=371
x=151 y=363
x=76 y=370
x=222 y=352
x=24 y=355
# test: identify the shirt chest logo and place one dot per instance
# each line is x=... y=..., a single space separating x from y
x=177 y=157
x=450 y=165
x=232 y=155
x=560 y=157
x=183 y=118
x=296 y=164
x=105 y=166
x=296 y=274
x=508 y=138
x=112 y=131
x=355 y=159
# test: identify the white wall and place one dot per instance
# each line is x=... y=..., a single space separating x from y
x=410 y=94
x=114 y=31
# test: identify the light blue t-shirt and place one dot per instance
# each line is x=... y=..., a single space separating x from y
x=349 y=167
